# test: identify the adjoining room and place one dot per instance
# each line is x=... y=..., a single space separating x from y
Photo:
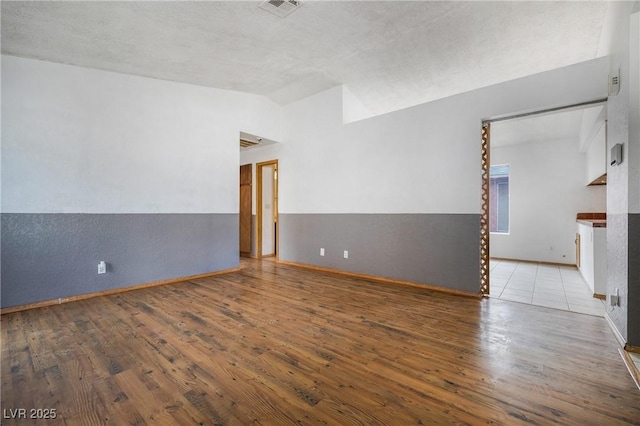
x=548 y=172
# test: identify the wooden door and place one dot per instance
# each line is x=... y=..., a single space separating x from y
x=245 y=209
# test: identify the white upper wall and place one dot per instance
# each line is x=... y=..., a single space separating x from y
x=83 y=140
x=623 y=124
x=424 y=159
x=634 y=113
x=546 y=191
x=79 y=140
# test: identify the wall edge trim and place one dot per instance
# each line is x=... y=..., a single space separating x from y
x=384 y=280
x=533 y=261
x=633 y=370
x=61 y=300
x=614 y=329
x=631 y=348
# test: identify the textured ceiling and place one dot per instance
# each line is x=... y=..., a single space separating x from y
x=389 y=54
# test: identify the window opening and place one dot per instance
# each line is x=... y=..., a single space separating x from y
x=499 y=203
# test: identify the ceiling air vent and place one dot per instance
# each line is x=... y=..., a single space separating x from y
x=246 y=143
x=280 y=8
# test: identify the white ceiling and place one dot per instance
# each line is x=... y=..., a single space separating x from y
x=389 y=54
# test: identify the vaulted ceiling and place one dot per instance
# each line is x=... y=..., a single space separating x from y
x=389 y=54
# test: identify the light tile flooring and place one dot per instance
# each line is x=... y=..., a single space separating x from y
x=559 y=287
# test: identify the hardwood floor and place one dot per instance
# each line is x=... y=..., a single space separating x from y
x=279 y=345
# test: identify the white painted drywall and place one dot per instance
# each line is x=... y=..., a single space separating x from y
x=424 y=159
x=547 y=190
x=597 y=155
x=623 y=123
x=79 y=140
x=591 y=121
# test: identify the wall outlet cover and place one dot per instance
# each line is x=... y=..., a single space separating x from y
x=616 y=155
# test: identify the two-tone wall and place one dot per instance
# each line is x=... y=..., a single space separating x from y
x=623 y=181
x=634 y=180
x=138 y=172
x=143 y=174
x=401 y=192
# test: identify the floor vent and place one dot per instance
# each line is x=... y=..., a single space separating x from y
x=280 y=8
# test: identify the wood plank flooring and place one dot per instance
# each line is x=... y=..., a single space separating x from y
x=279 y=345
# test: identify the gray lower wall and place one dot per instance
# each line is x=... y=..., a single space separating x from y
x=634 y=281
x=617 y=269
x=434 y=249
x=49 y=256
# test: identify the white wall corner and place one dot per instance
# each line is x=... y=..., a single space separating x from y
x=633 y=149
x=353 y=109
x=616 y=12
x=590 y=124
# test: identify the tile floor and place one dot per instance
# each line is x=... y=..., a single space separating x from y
x=559 y=287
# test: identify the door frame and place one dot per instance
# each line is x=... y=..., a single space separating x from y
x=259 y=167
x=240 y=211
x=485 y=164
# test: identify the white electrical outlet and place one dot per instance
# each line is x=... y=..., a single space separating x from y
x=102 y=267
x=346 y=254
x=321 y=252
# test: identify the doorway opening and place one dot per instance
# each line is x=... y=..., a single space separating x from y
x=527 y=232
x=267 y=209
